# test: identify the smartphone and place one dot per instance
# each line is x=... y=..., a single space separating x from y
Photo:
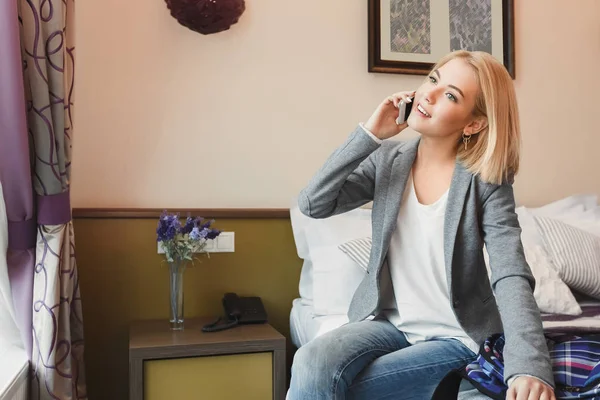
x=404 y=110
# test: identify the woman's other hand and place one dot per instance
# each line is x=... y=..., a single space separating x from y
x=529 y=388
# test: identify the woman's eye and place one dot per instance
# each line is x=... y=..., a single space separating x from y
x=432 y=79
x=451 y=96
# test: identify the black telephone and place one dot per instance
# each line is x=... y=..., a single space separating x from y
x=239 y=310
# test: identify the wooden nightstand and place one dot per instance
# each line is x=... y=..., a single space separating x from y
x=247 y=361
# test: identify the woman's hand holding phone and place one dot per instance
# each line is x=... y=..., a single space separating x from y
x=382 y=123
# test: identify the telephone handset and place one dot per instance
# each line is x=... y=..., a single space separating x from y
x=239 y=310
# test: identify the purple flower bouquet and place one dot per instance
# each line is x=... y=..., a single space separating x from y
x=180 y=242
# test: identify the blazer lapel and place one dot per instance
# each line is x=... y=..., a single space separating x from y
x=456 y=200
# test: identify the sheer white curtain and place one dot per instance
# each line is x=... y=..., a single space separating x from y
x=9 y=334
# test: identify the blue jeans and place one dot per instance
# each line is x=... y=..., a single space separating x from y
x=372 y=360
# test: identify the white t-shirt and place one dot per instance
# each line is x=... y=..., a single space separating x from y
x=416 y=263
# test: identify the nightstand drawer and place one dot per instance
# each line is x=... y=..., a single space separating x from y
x=210 y=377
x=247 y=361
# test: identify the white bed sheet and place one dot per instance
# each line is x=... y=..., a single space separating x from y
x=305 y=325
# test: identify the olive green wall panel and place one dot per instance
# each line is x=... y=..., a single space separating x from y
x=122 y=278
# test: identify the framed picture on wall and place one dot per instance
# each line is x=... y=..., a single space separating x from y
x=409 y=36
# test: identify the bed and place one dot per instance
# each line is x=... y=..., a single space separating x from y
x=561 y=241
x=305 y=325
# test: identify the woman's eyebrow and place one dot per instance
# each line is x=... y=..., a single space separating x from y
x=452 y=86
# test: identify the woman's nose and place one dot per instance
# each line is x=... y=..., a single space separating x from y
x=430 y=96
x=427 y=97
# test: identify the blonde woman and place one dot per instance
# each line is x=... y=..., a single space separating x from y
x=437 y=200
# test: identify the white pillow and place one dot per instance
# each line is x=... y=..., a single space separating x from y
x=551 y=294
x=299 y=224
x=572 y=208
x=588 y=220
x=335 y=280
x=335 y=276
x=568 y=204
x=575 y=254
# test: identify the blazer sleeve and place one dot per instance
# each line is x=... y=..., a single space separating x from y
x=525 y=351
x=346 y=180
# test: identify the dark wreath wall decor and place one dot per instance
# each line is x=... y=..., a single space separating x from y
x=206 y=16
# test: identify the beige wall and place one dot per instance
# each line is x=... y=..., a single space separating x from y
x=244 y=118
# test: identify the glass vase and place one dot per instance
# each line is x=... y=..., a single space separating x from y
x=176 y=270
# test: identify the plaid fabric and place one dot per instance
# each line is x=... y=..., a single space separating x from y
x=575 y=363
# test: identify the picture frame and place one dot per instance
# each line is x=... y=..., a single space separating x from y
x=425 y=30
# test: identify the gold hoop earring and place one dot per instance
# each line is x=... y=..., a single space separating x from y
x=466 y=140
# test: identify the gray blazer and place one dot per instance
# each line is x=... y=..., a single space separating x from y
x=478 y=213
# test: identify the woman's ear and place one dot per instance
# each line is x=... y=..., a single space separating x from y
x=476 y=125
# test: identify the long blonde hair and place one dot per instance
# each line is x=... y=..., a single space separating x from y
x=494 y=152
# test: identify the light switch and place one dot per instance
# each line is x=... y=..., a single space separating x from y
x=226 y=242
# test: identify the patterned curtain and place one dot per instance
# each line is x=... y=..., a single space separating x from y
x=48 y=288
x=48 y=55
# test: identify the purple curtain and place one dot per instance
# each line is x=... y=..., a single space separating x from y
x=36 y=88
x=15 y=171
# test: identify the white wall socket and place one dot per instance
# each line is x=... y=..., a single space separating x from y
x=224 y=243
